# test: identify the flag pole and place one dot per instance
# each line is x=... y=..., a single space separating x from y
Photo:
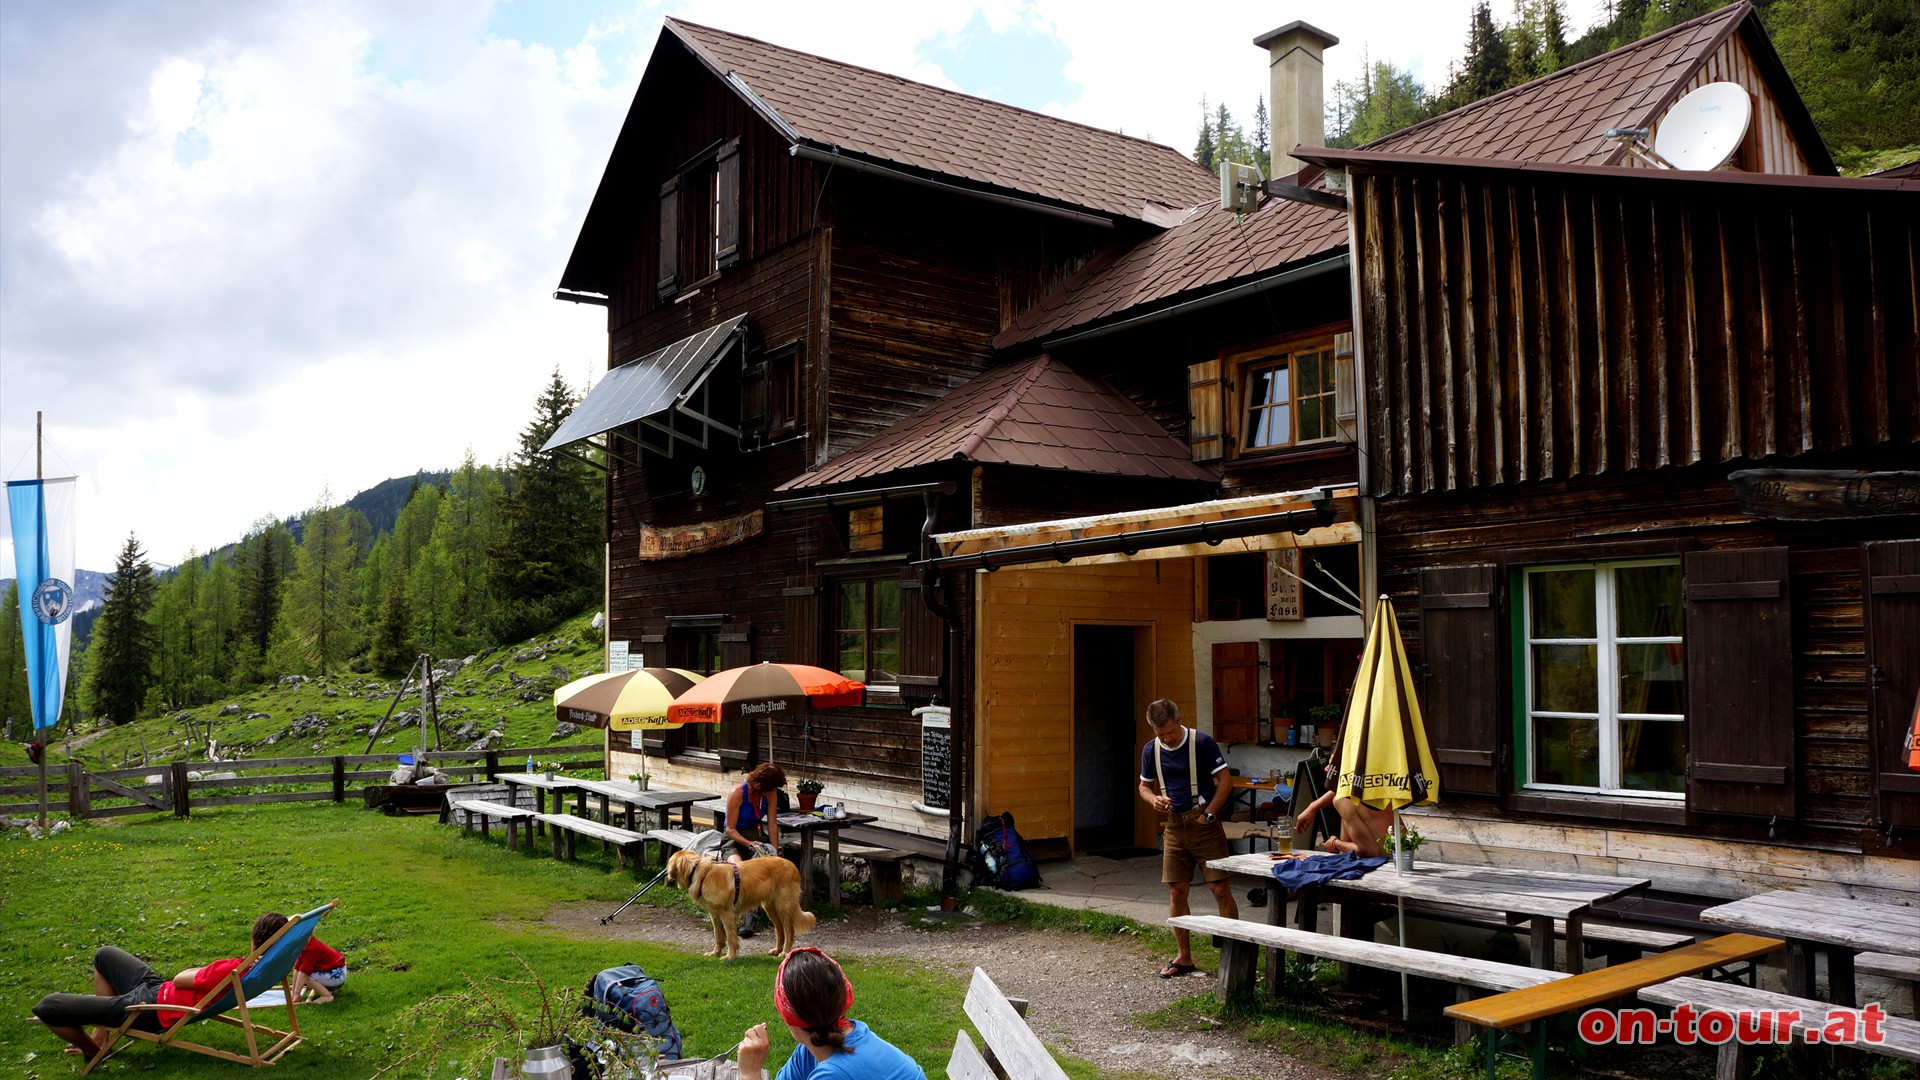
x=39 y=473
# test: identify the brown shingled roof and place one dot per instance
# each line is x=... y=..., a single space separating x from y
x=1557 y=118
x=1041 y=414
x=906 y=123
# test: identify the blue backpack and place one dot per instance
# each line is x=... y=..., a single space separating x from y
x=1001 y=855
x=628 y=998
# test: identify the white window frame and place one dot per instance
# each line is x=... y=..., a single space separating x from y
x=1609 y=716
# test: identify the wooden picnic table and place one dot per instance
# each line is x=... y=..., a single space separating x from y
x=663 y=803
x=806 y=826
x=541 y=783
x=1534 y=897
x=1817 y=922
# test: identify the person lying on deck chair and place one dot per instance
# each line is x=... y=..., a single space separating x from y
x=121 y=979
x=1361 y=826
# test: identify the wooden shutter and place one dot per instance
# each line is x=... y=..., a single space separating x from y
x=921 y=657
x=1893 y=676
x=1236 y=691
x=1206 y=406
x=669 y=238
x=1739 y=667
x=726 y=250
x=753 y=395
x=1460 y=669
x=803 y=621
x=736 y=742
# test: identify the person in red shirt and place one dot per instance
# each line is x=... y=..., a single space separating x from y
x=121 y=979
x=318 y=971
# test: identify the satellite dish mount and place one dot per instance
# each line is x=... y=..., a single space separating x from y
x=1700 y=133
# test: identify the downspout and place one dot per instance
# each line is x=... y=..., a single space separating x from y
x=935 y=592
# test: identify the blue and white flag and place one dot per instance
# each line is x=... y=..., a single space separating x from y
x=40 y=513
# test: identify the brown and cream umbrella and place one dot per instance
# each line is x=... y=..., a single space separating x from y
x=623 y=700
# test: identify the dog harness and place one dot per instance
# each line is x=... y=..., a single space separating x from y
x=701 y=875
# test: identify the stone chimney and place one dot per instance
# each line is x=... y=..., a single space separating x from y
x=1295 y=99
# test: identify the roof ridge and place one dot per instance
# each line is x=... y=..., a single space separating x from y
x=1610 y=55
x=985 y=426
x=1109 y=132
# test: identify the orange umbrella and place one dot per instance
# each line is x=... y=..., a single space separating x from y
x=764 y=690
x=1913 y=738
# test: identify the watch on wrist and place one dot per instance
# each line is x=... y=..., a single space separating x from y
x=1209 y=816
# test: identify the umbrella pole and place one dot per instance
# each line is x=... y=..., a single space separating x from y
x=1400 y=903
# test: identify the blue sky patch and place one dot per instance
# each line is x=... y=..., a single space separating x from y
x=1020 y=66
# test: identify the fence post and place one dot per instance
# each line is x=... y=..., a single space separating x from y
x=76 y=791
x=493 y=764
x=181 y=801
x=339 y=778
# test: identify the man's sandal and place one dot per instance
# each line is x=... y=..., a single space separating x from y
x=1174 y=968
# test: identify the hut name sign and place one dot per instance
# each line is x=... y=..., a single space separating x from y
x=1818 y=493
x=679 y=541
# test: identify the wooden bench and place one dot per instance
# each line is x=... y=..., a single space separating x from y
x=883 y=869
x=1527 y=1005
x=513 y=817
x=568 y=826
x=1241 y=939
x=1013 y=1051
x=1902 y=1036
x=1617 y=943
x=1893 y=966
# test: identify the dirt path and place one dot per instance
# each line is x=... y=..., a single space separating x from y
x=1085 y=993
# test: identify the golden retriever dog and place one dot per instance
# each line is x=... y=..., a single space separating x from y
x=726 y=889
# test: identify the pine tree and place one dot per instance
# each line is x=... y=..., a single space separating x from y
x=1487 y=68
x=123 y=640
x=547 y=562
x=179 y=635
x=322 y=613
x=468 y=528
x=1389 y=100
x=16 y=700
x=261 y=569
x=1262 y=133
x=393 y=650
x=1203 y=147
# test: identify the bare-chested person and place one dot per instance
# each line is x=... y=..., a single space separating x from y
x=1362 y=828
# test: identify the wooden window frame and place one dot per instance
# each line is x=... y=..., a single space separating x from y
x=700 y=220
x=888 y=576
x=770 y=401
x=1608 y=717
x=1240 y=368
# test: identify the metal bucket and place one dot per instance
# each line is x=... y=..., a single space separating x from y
x=546 y=1063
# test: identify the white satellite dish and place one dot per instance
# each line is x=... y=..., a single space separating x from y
x=1703 y=129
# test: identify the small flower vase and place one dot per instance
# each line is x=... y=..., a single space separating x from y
x=807 y=799
x=642 y=782
x=546 y=1063
x=1403 y=860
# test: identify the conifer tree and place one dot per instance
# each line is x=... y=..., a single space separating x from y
x=322 y=613
x=123 y=642
x=180 y=636
x=468 y=528
x=546 y=564
x=260 y=568
x=16 y=700
x=1262 y=133
x=393 y=650
x=1203 y=147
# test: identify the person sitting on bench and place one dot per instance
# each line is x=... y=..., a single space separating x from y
x=1361 y=826
x=121 y=979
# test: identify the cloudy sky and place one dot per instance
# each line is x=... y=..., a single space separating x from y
x=254 y=251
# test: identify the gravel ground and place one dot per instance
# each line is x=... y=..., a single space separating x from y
x=1085 y=993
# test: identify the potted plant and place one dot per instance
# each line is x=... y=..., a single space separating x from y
x=639 y=779
x=809 y=793
x=1403 y=844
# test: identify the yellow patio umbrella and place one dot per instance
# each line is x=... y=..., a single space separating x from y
x=623 y=700
x=1385 y=761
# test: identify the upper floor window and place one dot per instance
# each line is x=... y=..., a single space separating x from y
x=1292 y=392
x=770 y=393
x=1605 y=694
x=867 y=630
x=700 y=219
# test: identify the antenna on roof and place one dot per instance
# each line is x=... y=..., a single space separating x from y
x=1239 y=187
x=1700 y=133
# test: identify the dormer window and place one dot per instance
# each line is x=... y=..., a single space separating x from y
x=700 y=219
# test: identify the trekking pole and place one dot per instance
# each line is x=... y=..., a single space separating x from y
x=635 y=896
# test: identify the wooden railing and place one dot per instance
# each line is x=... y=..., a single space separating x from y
x=80 y=792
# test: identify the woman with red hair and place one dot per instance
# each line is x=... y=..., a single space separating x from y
x=813 y=995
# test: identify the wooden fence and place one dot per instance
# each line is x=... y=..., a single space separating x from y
x=180 y=786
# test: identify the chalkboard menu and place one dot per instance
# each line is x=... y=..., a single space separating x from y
x=936 y=756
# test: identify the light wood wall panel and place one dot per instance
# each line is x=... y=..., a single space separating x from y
x=1025 y=673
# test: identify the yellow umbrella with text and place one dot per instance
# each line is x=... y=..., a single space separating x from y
x=1385 y=761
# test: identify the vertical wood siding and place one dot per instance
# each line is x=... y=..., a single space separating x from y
x=1770 y=146
x=1565 y=327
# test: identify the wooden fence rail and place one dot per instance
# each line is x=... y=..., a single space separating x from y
x=168 y=787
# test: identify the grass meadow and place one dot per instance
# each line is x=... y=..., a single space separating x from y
x=421 y=908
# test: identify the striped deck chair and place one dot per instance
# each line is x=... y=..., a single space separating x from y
x=268 y=965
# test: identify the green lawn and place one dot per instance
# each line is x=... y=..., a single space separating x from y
x=420 y=906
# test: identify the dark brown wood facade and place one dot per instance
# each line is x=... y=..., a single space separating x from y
x=1563 y=367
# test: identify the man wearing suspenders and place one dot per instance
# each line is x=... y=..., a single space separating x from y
x=1183 y=764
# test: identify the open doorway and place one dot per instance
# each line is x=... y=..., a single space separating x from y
x=1106 y=716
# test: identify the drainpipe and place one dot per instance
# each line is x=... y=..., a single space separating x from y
x=935 y=592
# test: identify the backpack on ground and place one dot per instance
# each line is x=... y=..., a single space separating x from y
x=626 y=997
x=1001 y=856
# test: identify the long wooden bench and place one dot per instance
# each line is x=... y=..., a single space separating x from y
x=1527 y=1005
x=1893 y=966
x=1240 y=941
x=1901 y=1036
x=565 y=827
x=1617 y=943
x=883 y=870
x=514 y=818
x=1013 y=1051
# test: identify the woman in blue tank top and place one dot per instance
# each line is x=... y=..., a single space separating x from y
x=753 y=810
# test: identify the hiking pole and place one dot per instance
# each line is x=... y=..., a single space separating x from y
x=635 y=896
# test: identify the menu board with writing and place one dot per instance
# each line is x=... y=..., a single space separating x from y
x=936 y=757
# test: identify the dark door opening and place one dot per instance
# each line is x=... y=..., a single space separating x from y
x=1105 y=764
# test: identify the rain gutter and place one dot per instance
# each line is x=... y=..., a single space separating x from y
x=839 y=160
x=1201 y=303
x=861 y=498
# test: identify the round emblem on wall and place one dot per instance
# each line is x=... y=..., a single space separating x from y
x=699 y=480
x=53 y=601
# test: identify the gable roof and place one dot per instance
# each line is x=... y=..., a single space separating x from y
x=890 y=119
x=1041 y=414
x=1557 y=118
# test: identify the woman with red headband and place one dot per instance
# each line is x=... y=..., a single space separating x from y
x=813 y=995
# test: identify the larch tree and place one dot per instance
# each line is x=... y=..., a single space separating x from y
x=123 y=639
x=322 y=613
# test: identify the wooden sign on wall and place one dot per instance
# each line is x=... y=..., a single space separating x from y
x=1283 y=588
x=679 y=541
x=1820 y=493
